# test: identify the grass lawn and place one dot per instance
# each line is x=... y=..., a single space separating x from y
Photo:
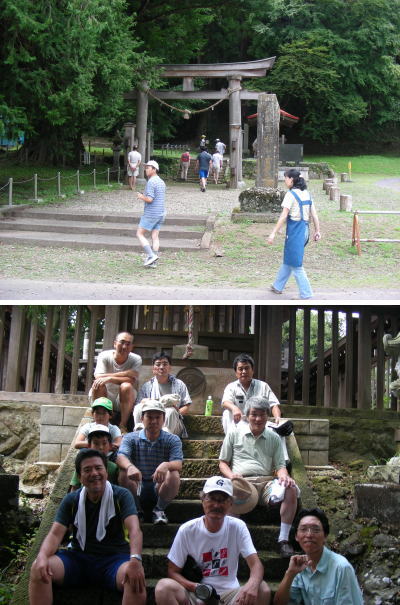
x=247 y=261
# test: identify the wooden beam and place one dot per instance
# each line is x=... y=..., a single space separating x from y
x=246 y=69
x=212 y=95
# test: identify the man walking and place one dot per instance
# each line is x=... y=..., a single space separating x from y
x=154 y=212
x=215 y=542
x=203 y=165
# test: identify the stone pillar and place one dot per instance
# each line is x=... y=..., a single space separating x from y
x=129 y=139
x=267 y=141
x=235 y=131
x=246 y=138
x=15 y=349
x=141 y=128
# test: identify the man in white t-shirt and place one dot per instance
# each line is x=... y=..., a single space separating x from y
x=220 y=146
x=215 y=542
x=134 y=160
x=115 y=377
x=217 y=160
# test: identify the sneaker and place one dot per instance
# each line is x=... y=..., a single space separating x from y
x=286 y=550
x=159 y=517
x=153 y=266
x=274 y=290
x=150 y=260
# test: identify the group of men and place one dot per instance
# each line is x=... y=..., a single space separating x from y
x=206 y=163
x=106 y=545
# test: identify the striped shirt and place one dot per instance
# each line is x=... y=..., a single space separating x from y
x=155 y=188
x=147 y=455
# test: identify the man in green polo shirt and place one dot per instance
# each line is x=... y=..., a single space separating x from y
x=255 y=453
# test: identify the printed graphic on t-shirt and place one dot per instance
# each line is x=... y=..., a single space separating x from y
x=215 y=563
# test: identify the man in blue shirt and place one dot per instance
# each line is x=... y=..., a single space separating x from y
x=320 y=575
x=102 y=516
x=150 y=461
x=154 y=212
x=203 y=165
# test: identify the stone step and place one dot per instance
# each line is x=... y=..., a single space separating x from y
x=155 y=563
x=188 y=506
x=40 y=225
x=264 y=536
x=91 y=242
x=198 y=448
x=121 y=217
x=199 y=467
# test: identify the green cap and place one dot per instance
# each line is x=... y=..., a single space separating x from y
x=104 y=403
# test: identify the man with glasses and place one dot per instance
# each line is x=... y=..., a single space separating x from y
x=115 y=377
x=215 y=542
x=255 y=453
x=320 y=575
x=168 y=389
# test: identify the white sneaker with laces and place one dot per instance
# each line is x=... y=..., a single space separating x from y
x=159 y=517
x=150 y=260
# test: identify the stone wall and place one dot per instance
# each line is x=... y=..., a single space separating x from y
x=58 y=426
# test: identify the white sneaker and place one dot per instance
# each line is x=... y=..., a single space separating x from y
x=159 y=517
x=151 y=259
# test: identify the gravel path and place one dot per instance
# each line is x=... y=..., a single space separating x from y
x=180 y=199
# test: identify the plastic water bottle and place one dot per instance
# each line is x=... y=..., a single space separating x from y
x=209 y=406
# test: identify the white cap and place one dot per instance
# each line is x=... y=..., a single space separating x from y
x=218 y=484
x=99 y=428
x=152 y=163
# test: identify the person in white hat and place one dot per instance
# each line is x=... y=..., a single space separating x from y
x=154 y=212
x=215 y=542
x=255 y=452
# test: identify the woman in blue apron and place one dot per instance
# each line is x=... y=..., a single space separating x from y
x=297 y=208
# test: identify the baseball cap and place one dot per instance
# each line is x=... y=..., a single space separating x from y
x=216 y=140
x=152 y=405
x=103 y=402
x=152 y=163
x=218 y=484
x=99 y=428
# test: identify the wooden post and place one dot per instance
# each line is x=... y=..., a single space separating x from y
x=44 y=374
x=61 y=349
x=267 y=141
x=91 y=348
x=30 y=366
x=14 y=349
x=346 y=202
x=235 y=129
x=76 y=351
x=320 y=357
x=364 y=360
x=335 y=360
x=141 y=124
x=306 y=356
x=355 y=239
x=292 y=355
x=380 y=362
x=334 y=193
x=111 y=326
x=350 y=361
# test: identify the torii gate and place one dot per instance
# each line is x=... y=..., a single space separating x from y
x=234 y=72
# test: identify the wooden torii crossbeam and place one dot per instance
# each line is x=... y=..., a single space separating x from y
x=234 y=72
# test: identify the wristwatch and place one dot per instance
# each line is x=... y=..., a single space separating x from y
x=138 y=557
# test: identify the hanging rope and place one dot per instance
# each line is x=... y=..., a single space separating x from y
x=193 y=111
x=189 y=346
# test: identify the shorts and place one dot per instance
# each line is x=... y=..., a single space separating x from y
x=131 y=172
x=226 y=598
x=203 y=174
x=264 y=486
x=152 y=224
x=82 y=568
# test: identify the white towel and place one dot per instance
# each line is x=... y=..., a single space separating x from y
x=155 y=390
x=107 y=512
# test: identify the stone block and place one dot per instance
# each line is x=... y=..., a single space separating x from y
x=73 y=415
x=318 y=458
x=261 y=199
x=313 y=442
x=304 y=456
x=57 y=434
x=384 y=473
x=319 y=427
x=64 y=450
x=301 y=426
x=51 y=414
x=50 y=452
x=381 y=501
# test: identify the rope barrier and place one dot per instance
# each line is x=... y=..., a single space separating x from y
x=52 y=178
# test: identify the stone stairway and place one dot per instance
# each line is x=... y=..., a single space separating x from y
x=193 y=175
x=200 y=461
x=78 y=229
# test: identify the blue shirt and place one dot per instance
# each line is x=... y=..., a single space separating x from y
x=333 y=582
x=146 y=455
x=155 y=188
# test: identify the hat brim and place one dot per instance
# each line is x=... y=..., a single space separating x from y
x=241 y=506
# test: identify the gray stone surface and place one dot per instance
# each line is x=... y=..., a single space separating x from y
x=261 y=199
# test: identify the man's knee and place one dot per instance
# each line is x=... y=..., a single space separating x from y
x=126 y=389
x=167 y=588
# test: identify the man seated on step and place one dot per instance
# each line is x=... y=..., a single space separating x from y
x=215 y=542
x=115 y=377
x=151 y=461
x=320 y=575
x=254 y=452
x=237 y=393
x=170 y=390
x=99 y=439
x=107 y=541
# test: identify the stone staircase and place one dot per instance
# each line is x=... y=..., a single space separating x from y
x=78 y=229
x=193 y=175
x=200 y=461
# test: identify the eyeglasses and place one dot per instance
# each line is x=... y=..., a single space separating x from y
x=313 y=529
x=125 y=342
x=215 y=498
x=162 y=365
